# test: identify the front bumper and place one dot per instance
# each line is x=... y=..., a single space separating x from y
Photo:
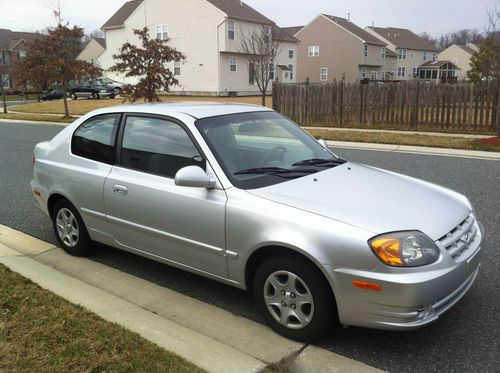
x=409 y=298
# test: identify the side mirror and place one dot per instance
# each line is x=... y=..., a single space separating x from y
x=193 y=176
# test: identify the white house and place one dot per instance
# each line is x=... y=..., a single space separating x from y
x=460 y=56
x=412 y=51
x=208 y=32
x=92 y=51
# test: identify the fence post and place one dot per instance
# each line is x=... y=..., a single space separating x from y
x=274 y=96
x=497 y=119
x=341 y=102
x=307 y=101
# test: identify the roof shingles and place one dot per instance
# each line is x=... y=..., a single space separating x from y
x=404 y=38
x=118 y=19
x=353 y=29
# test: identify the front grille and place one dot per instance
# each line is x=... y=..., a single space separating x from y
x=460 y=239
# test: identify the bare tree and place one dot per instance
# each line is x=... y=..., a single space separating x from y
x=260 y=49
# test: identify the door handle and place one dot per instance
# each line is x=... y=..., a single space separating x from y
x=120 y=190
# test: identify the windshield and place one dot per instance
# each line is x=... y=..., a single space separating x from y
x=263 y=148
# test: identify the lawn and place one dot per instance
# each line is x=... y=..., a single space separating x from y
x=41 y=332
x=404 y=139
x=83 y=106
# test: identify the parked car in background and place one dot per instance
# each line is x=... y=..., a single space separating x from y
x=117 y=86
x=242 y=195
x=55 y=94
x=88 y=89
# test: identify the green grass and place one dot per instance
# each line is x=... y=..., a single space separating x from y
x=41 y=332
x=18 y=97
x=404 y=139
x=38 y=117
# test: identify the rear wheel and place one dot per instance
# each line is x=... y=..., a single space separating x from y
x=294 y=298
x=70 y=229
x=74 y=96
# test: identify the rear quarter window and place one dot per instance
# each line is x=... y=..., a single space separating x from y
x=95 y=139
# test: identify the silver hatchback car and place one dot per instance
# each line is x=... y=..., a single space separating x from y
x=241 y=195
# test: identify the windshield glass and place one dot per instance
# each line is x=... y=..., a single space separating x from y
x=263 y=148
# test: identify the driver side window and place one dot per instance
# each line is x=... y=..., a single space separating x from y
x=157 y=146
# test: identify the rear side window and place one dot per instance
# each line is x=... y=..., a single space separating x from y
x=95 y=139
x=158 y=146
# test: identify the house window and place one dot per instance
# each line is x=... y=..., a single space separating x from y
x=383 y=75
x=425 y=55
x=313 y=51
x=271 y=71
x=374 y=75
x=251 y=74
x=291 y=71
x=402 y=54
x=411 y=54
x=21 y=55
x=363 y=73
x=290 y=53
x=434 y=56
x=6 y=81
x=177 y=68
x=455 y=61
x=414 y=72
x=323 y=74
x=161 y=32
x=3 y=58
x=401 y=71
x=382 y=52
x=232 y=64
x=230 y=29
x=365 y=50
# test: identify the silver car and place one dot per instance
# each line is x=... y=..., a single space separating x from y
x=241 y=195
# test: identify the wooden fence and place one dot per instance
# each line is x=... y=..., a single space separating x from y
x=464 y=107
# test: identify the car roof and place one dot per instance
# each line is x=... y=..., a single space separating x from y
x=197 y=110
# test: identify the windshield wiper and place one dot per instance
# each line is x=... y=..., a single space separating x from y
x=319 y=162
x=270 y=170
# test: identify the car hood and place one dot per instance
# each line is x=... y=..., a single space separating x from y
x=372 y=199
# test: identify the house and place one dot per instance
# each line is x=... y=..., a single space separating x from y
x=209 y=33
x=412 y=51
x=12 y=48
x=460 y=56
x=92 y=51
x=438 y=72
x=333 y=48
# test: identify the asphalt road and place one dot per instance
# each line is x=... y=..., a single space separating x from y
x=464 y=339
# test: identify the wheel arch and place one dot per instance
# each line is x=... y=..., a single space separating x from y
x=54 y=198
x=265 y=252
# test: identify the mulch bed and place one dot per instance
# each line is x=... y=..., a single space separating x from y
x=490 y=141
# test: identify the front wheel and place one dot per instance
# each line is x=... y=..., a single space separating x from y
x=294 y=298
x=70 y=229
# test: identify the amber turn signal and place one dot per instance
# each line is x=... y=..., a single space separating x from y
x=387 y=249
x=367 y=285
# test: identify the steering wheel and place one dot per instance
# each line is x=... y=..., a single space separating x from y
x=275 y=154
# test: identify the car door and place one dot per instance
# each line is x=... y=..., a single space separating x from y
x=151 y=215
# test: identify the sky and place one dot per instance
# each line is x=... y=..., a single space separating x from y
x=433 y=16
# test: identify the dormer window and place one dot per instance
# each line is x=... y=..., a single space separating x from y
x=230 y=29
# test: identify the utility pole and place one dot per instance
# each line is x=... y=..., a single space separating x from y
x=4 y=98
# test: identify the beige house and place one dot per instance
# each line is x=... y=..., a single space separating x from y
x=333 y=48
x=92 y=51
x=209 y=33
x=460 y=56
x=411 y=50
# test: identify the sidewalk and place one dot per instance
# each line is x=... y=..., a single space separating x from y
x=205 y=335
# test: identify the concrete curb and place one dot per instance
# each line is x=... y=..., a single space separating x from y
x=205 y=335
x=22 y=121
x=416 y=150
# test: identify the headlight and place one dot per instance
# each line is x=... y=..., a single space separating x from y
x=104 y=90
x=405 y=249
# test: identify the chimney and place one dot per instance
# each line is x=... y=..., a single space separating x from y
x=348 y=17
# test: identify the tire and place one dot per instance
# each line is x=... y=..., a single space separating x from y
x=74 y=96
x=69 y=228
x=301 y=282
x=95 y=96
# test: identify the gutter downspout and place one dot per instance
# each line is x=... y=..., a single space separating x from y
x=218 y=56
